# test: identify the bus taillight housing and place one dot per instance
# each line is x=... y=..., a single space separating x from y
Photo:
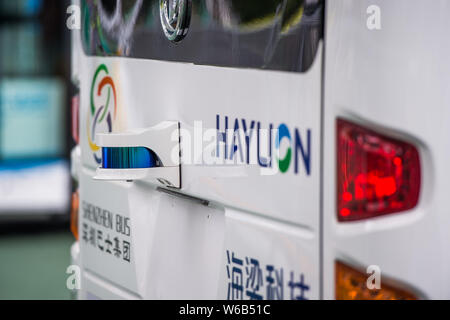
x=376 y=174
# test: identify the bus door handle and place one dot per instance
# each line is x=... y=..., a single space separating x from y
x=150 y=155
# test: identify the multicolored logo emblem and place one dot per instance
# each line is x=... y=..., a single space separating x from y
x=103 y=102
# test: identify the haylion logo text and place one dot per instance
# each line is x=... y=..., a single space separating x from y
x=271 y=148
x=103 y=108
x=241 y=142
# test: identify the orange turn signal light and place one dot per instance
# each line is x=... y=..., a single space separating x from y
x=351 y=284
x=74 y=214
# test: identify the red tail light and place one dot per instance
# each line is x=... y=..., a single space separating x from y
x=377 y=175
x=74 y=214
x=75 y=126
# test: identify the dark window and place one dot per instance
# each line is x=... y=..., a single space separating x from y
x=266 y=34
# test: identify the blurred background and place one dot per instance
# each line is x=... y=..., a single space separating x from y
x=35 y=183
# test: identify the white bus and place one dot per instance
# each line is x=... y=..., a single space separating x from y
x=264 y=149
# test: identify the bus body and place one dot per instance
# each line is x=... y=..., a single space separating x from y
x=265 y=128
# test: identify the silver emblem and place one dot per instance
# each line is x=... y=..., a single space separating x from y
x=175 y=18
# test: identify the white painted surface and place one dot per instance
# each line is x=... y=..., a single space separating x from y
x=393 y=80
